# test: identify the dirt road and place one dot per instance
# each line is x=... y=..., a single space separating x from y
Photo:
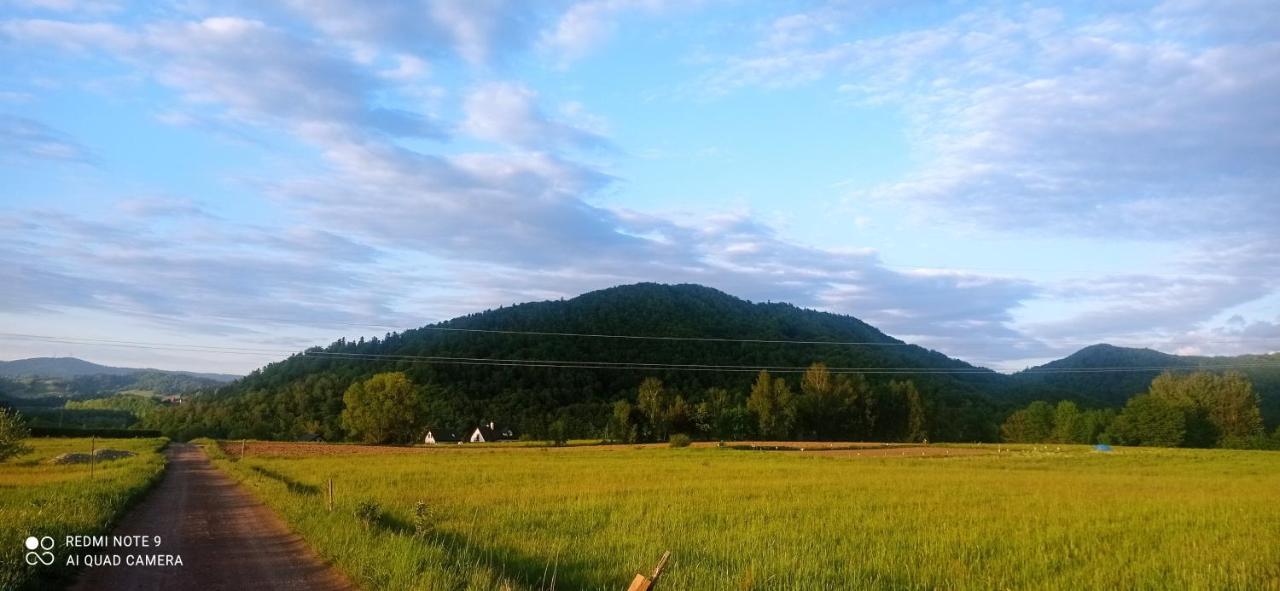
x=226 y=539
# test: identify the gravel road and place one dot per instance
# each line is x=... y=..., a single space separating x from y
x=226 y=539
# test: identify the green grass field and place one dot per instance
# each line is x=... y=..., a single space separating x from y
x=41 y=499
x=590 y=518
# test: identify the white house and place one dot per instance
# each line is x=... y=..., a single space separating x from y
x=489 y=432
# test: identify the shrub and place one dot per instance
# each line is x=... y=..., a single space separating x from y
x=368 y=511
x=12 y=433
x=423 y=523
x=559 y=432
x=679 y=440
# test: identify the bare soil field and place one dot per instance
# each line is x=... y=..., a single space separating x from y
x=854 y=449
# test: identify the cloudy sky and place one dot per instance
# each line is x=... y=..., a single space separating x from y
x=209 y=185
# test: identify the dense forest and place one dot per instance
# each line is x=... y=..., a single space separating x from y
x=1198 y=409
x=303 y=394
x=878 y=389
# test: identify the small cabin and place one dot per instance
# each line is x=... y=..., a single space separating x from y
x=432 y=438
x=490 y=433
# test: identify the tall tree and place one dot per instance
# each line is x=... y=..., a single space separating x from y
x=1068 y=423
x=1151 y=421
x=13 y=430
x=1219 y=410
x=773 y=405
x=914 y=430
x=383 y=409
x=621 y=428
x=1236 y=413
x=651 y=399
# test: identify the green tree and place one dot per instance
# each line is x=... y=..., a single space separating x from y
x=382 y=409
x=1235 y=412
x=621 y=428
x=1068 y=423
x=914 y=430
x=651 y=399
x=828 y=406
x=1017 y=428
x=1149 y=420
x=558 y=432
x=1093 y=423
x=13 y=432
x=1033 y=424
x=773 y=405
x=1219 y=410
x=679 y=416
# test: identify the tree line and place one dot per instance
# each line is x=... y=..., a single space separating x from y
x=1200 y=409
x=389 y=408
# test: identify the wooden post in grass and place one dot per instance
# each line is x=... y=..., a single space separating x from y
x=242 y=449
x=643 y=583
x=329 y=496
x=93 y=448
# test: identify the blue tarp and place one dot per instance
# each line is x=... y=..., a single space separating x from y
x=1102 y=447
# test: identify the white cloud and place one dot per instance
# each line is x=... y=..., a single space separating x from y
x=24 y=140
x=508 y=113
x=588 y=23
x=476 y=30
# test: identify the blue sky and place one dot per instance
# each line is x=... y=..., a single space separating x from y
x=1003 y=182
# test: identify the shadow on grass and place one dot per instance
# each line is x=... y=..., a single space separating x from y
x=293 y=485
x=529 y=571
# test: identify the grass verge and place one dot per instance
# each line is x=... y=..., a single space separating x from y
x=38 y=498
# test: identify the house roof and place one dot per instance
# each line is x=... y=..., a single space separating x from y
x=496 y=433
x=442 y=435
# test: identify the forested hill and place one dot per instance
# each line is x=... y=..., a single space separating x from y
x=304 y=393
x=1113 y=388
x=71 y=367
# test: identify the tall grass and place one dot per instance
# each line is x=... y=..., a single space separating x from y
x=589 y=518
x=41 y=499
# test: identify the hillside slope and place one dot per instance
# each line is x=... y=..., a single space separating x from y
x=72 y=367
x=307 y=388
x=303 y=394
x=1113 y=388
x=45 y=381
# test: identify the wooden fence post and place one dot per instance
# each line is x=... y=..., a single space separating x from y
x=643 y=583
x=329 y=496
x=242 y=449
x=93 y=448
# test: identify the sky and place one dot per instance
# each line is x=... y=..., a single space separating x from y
x=212 y=185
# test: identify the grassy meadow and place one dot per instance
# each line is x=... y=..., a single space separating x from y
x=591 y=517
x=42 y=499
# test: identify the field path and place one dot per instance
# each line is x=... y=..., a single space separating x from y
x=226 y=538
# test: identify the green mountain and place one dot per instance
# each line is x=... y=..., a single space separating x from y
x=48 y=381
x=304 y=393
x=1086 y=376
x=729 y=340
x=71 y=367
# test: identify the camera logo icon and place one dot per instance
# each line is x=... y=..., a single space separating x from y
x=38 y=550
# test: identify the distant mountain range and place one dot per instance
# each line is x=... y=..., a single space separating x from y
x=1087 y=375
x=71 y=367
x=46 y=381
x=304 y=392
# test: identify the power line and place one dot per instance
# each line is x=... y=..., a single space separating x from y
x=145 y=345
x=400 y=329
x=752 y=368
x=663 y=338
x=625 y=365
